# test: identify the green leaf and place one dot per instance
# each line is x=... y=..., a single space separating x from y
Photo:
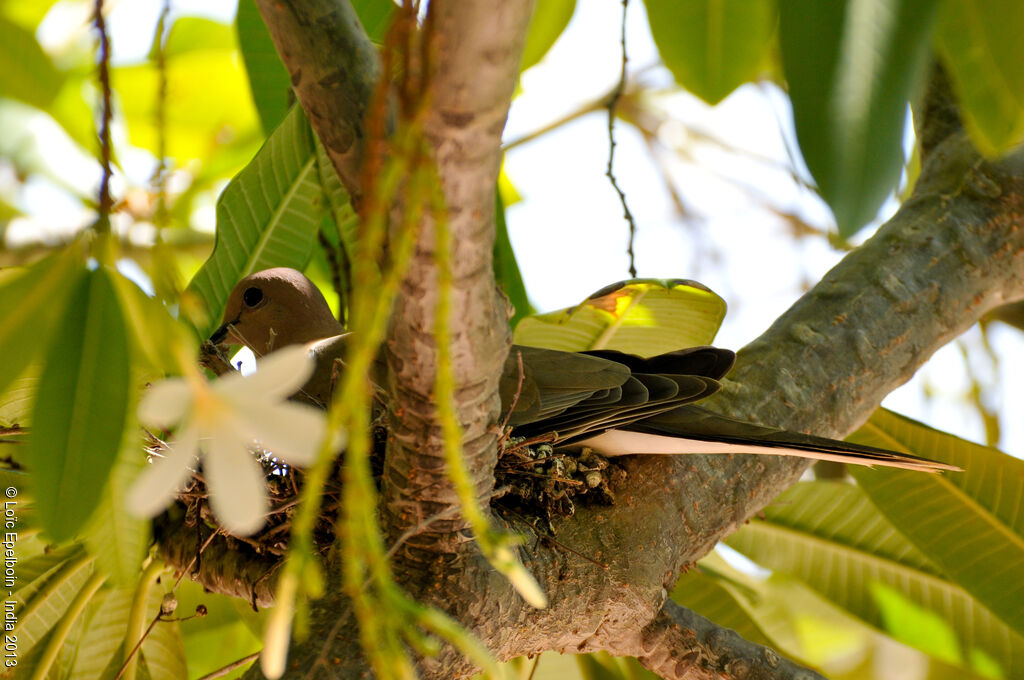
x=980 y=45
x=16 y=400
x=640 y=316
x=30 y=301
x=375 y=16
x=712 y=46
x=829 y=535
x=103 y=636
x=851 y=68
x=79 y=415
x=50 y=583
x=547 y=23
x=969 y=523
x=118 y=539
x=506 y=269
x=268 y=79
x=267 y=216
x=26 y=72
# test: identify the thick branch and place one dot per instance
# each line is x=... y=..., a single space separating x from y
x=679 y=644
x=474 y=61
x=333 y=67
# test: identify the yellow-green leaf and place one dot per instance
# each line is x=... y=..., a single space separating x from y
x=969 y=523
x=712 y=46
x=80 y=409
x=981 y=46
x=639 y=316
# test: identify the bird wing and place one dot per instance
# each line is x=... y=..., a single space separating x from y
x=571 y=394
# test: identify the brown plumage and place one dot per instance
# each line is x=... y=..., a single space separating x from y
x=616 y=403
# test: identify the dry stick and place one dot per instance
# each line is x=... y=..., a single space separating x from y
x=609 y=172
x=105 y=201
x=515 y=396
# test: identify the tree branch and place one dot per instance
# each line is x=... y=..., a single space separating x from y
x=334 y=68
x=679 y=644
x=473 y=63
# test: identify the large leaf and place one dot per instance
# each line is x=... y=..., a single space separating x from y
x=712 y=46
x=547 y=23
x=45 y=588
x=26 y=72
x=117 y=538
x=81 y=404
x=268 y=78
x=267 y=216
x=640 y=316
x=981 y=46
x=969 y=523
x=30 y=301
x=829 y=535
x=851 y=68
x=102 y=635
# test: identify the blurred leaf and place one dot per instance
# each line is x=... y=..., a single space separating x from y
x=192 y=34
x=267 y=216
x=640 y=316
x=548 y=22
x=915 y=625
x=45 y=587
x=79 y=416
x=208 y=102
x=16 y=400
x=220 y=637
x=829 y=535
x=30 y=301
x=851 y=68
x=980 y=45
x=506 y=269
x=969 y=523
x=710 y=594
x=117 y=538
x=102 y=636
x=26 y=71
x=26 y=14
x=592 y=668
x=712 y=46
x=268 y=79
x=375 y=16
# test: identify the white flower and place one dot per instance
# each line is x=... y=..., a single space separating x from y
x=221 y=421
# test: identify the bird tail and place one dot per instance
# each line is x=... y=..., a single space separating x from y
x=695 y=430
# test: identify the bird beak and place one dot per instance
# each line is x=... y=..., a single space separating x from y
x=221 y=334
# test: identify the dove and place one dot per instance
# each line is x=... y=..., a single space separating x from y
x=612 y=402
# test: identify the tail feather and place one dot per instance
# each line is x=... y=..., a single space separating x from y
x=695 y=430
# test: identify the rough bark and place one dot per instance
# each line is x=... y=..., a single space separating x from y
x=954 y=251
x=474 y=60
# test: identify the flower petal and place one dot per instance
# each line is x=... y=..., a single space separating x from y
x=278 y=375
x=292 y=432
x=238 y=493
x=165 y=404
x=154 y=489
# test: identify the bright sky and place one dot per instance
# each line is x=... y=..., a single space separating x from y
x=568 y=232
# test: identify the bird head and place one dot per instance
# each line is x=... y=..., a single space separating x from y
x=275 y=308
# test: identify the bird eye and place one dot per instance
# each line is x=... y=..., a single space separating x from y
x=252 y=297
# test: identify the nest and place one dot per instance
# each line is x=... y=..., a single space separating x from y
x=537 y=483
